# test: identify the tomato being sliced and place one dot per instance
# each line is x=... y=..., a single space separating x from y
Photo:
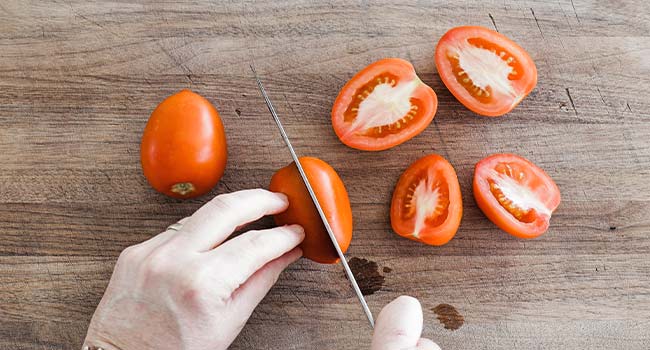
x=183 y=150
x=515 y=194
x=427 y=205
x=382 y=106
x=333 y=198
x=486 y=71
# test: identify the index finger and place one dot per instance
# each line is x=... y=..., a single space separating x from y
x=216 y=220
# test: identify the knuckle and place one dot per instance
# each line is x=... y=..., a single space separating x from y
x=200 y=287
x=156 y=265
x=131 y=254
x=256 y=239
x=223 y=201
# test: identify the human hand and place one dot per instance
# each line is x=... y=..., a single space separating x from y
x=188 y=289
x=399 y=327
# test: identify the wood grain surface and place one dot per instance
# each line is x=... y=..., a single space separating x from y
x=78 y=80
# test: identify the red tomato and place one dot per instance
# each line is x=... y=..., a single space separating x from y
x=382 y=106
x=332 y=197
x=486 y=71
x=515 y=194
x=427 y=205
x=183 y=150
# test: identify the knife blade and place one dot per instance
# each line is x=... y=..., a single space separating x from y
x=310 y=189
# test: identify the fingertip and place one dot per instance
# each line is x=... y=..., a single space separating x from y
x=279 y=200
x=282 y=197
x=407 y=301
x=299 y=230
x=399 y=324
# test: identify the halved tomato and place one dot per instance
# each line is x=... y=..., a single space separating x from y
x=382 y=106
x=515 y=194
x=486 y=71
x=427 y=205
x=333 y=198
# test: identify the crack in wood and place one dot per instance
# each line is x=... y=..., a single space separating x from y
x=537 y=22
x=571 y=100
x=574 y=11
x=493 y=22
x=603 y=99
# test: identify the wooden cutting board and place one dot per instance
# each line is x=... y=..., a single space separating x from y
x=79 y=79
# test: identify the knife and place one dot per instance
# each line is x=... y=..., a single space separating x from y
x=310 y=189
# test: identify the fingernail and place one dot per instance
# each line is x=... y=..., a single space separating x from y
x=283 y=197
x=297 y=229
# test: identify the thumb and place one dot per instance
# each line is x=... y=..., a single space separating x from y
x=399 y=326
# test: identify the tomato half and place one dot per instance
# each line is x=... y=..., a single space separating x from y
x=515 y=194
x=382 y=106
x=427 y=205
x=183 y=150
x=486 y=71
x=333 y=198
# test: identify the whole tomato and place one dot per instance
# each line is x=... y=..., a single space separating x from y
x=183 y=150
x=333 y=198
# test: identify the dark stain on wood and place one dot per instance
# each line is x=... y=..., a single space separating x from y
x=367 y=274
x=449 y=316
x=387 y=269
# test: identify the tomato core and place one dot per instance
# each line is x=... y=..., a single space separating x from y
x=481 y=67
x=382 y=106
x=427 y=200
x=508 y=186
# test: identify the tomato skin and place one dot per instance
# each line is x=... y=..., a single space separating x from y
x=183 y=150
x=333 y=198
x=523 y=83
x=401 y=69
x=404 y=226
x=536 y=180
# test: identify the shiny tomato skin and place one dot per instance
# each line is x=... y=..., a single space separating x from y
x=333 y=198
x=441 y=223
x=415 y=121
x=497 y=102
x=528 y=221
x=183 y=150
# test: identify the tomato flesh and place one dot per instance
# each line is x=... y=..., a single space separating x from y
x=333 y=198
x=427 y=203
x=515 y=194
x=382 y=106
x=485 y=70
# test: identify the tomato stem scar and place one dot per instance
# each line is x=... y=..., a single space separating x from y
x=183 y=188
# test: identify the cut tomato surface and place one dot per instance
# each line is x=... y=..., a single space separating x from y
x=484 y=70
x=515 y=194
x=382 y=106
x=427 y=204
